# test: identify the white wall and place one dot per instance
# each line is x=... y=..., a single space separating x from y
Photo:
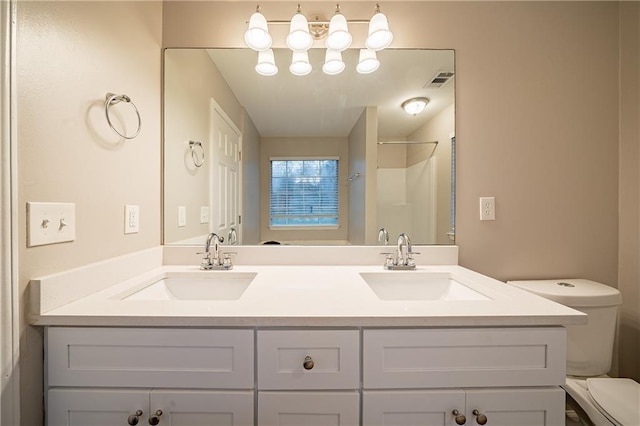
x=69 y=55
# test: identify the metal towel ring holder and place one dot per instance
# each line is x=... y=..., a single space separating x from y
x=112 y=99
x=197 y=155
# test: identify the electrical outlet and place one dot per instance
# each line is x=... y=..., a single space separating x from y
x=487 y=208
x=204 y=214
x=131 y=219
x=182 y=216
x=50 y=223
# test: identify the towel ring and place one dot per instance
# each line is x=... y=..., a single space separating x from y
x=112 y=99
x=197 y=155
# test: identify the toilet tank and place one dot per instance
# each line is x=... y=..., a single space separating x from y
x=589 y=346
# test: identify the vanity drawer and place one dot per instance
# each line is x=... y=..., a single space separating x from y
x=150 y=357
x=441 y=357
x=335 y=356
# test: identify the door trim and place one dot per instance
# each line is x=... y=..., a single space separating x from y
x=9 y=289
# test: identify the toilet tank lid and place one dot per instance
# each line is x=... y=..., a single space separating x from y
x=572 y=292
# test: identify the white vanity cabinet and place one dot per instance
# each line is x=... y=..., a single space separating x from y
x=100 y=407
x=308 y=377
x=440 y=376
x=123 y=376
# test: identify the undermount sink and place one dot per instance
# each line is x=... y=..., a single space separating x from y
x=414 y=285
x=215 y=286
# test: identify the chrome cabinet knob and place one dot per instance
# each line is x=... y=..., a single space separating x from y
x=155 y=419
x=134 y=418
x=460 y=418
x=481 y=419
x=308 y=363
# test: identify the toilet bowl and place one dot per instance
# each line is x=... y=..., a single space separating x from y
x=604 y=400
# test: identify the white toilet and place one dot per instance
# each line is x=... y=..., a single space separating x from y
x=606 y=401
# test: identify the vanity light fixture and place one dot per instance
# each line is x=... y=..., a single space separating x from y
x=257 y=35
x=300 y=63
x=302 y=34
x=333 y=63
x=415 y=106
x=299 y=38
x=339 y=37
x=367 y=61
x=266 y=63
x=379 y=35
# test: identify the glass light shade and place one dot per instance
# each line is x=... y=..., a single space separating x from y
x=367 y=61
x=415 y=105
x=339 y=37
x=379 y=35
x=266 y=63
x=333 y=62
x=257 y=36
x=300 y=63
x=299 y=38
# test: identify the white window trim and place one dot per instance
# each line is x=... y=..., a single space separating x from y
x=297 y=227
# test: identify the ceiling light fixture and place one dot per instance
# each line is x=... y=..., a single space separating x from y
x=415 y=106
x=257 y=35
x=303 y=32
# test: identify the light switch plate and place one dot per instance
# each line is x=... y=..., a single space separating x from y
x=50 y=223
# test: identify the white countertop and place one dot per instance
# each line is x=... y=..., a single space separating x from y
x=280 y=296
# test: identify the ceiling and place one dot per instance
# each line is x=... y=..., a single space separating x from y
x=320 y=105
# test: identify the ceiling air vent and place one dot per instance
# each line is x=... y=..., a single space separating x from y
x=440 y=79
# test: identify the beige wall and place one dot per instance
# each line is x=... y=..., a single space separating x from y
x=250 y=182
x=439 y=128
x=303 y=147
x=363 y=158
x=69 y=55
x=629 y=229
x=537 y=127
x=190 y=82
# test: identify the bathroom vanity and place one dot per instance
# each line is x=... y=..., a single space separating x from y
x=325 y=341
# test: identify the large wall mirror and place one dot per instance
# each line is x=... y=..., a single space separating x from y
x=316 y=159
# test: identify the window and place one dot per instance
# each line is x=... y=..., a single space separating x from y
x=304 y=192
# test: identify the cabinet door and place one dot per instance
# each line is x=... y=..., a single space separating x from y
x=202 y=408
x=308 y=408
x=405 y=408
x=522 y=407
x=95 y=407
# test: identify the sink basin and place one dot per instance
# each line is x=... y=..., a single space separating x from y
x=413 y=285
x=216 y=286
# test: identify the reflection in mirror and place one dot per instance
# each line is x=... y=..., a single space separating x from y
x=319 y=159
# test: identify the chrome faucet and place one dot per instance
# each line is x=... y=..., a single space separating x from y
x=404 y=257
x=383 y=236
x=217 y=261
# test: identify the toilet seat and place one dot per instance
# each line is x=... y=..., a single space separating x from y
x=605 y=400
x=617 y=399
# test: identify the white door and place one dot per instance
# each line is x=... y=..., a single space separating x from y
x=225 y=174
x=413 y=408
x=96 y=407
x=522 y=407
x=308 y=408
x=202 y=408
